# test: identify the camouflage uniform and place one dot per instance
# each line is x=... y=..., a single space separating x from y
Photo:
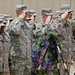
x=32 y=24
x=67 y=36
x=4 y=54
x=72 y=21
x=42 y=25
x=20 y=50
x=64 y=29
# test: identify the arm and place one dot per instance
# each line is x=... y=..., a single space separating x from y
x=15 y=25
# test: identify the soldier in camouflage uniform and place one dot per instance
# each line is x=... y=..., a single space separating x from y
x=47 y=16
x=64 y=29
x=20 y=48
x=8 y=19
x=42 y=26
x=31 y=21
x=4 y=50
x=32 y=16
x=73 y=33
x=67 y=33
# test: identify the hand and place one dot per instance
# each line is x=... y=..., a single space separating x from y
x=22 y=15
x=48 y=19
x=64 y=16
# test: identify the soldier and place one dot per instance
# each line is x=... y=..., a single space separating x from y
x=8 y=19
x=19 y=34
x=32 y=26
x=4 y=50
x=68 y=29
x=32 y=14
x=41 y=27
x=47 y=19
x=45 y=13
x=44 y=20
x=64 y=29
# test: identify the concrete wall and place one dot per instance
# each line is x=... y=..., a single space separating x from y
x=8 y=6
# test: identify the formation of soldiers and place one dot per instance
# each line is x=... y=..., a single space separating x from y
x=16 y=36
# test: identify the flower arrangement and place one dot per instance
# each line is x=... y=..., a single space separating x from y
x=45 y=54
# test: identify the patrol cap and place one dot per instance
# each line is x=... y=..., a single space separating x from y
x=47 y=11
x=2 y=22
x=21 y=8
x=1 y=15
x=65 y=7
x=55 y=16
x=8 y=17
x=32 y=12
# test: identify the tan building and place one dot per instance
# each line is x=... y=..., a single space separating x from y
x=8 y=6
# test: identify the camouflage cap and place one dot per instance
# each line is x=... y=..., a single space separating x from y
x=32 y=12
x=1 y=15
x=47 y=11
x=65 y=7
x=21 y=8
x=8 y=17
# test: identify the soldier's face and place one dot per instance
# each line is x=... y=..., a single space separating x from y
x=19 y=13
x=32 y=17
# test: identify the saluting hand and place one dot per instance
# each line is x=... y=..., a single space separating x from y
x=23 y=16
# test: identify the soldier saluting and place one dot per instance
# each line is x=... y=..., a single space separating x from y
x=4 y=50
x=19 y=35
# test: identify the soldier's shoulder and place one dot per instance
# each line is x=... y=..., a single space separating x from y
x=15 y=21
